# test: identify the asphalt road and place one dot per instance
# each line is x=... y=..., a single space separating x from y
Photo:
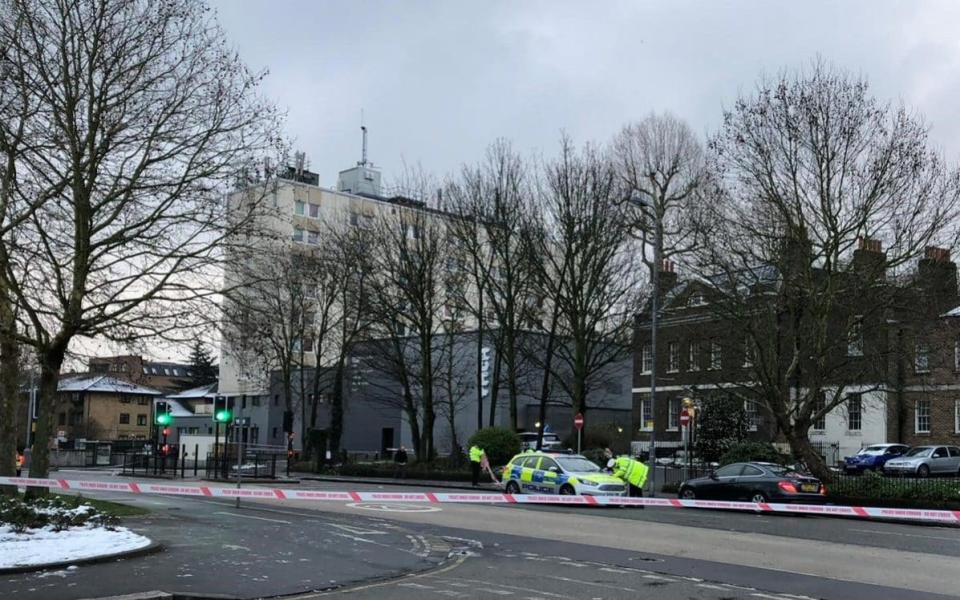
x=474 y=551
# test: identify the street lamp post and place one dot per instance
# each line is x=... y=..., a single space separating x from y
x=645 y=204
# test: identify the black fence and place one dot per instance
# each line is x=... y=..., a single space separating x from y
x=145 y=464
x=256 y=465
x=878 y=485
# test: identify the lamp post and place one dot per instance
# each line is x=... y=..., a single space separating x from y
x=645 y=204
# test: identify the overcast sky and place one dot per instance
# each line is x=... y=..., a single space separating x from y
x=438 y=81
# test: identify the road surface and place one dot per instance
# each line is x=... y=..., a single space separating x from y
x=522 y=552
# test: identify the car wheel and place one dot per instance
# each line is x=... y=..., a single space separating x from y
x=758 y=498
x=923 y=471
x=688 y=494
x=567 y=490
x=512 y=487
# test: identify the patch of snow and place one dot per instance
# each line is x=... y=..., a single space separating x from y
x=40 y=546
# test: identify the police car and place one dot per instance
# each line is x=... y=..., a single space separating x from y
x=552 y=473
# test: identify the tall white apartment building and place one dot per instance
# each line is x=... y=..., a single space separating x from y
x=299 y=211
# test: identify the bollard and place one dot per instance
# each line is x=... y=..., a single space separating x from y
x=196 y=458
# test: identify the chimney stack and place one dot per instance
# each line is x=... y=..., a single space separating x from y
x=668 y=276
x=869 y=259
x=937 y=276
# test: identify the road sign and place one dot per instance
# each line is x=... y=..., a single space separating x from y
x=578 y=421
x=684 y=418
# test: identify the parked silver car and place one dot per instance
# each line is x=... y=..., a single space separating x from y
x=923 y=461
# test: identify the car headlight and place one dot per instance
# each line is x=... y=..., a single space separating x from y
x=589 y=483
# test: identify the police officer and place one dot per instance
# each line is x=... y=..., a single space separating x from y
x=633 y=473
x=476 y=457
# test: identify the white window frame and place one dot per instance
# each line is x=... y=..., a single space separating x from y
x=747 y=353
x=956 y=354
x=673 y=416
x=716 y=356
x=646 y=403
x=956 y=416
x=646 y=358
x=693 y=356
x=673 y=361
x=819 y=405
x=696 y=299
x=859 y=404
x=300 y=208
x=310 y=210
x=921 y=350
x=298 y=234
x=916 y=415
x=855 y=337
x=752 y=411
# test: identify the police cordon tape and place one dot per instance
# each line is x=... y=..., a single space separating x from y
x=866 y=512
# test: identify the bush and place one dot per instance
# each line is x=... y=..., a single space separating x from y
x=57 y=512
x=752 y=452
x=604 y=435
x=500 y=444
x=873 y=489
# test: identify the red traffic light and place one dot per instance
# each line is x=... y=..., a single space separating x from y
x=166 y=431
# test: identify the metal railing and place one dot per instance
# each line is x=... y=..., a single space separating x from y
x=255 y=465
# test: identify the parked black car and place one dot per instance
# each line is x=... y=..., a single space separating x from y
x=755 y=482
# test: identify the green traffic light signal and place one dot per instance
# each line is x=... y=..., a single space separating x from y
x=164 y=418
x=223 y=415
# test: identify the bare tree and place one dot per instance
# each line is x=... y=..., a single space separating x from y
x=813 y=172
x=343 y=297
x=590 y=276
x=409 y=251
x=661 y=159
x=493 y=203
x=141 y=119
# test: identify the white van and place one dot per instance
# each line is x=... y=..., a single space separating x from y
x=551 y=441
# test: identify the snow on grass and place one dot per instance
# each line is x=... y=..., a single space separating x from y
x=42 y=546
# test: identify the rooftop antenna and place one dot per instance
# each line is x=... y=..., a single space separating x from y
x=363 y=128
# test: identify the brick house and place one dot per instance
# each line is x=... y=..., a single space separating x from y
x=165 y=376
x=103 y=408
x=901 y=361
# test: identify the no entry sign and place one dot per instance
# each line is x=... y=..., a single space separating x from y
x=578 y=421
x=684 y=418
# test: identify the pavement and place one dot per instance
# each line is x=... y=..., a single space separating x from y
x=372 y=550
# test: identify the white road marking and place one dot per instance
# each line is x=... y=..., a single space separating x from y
x=658 y=577
x=613 y=570
x=245 y=516
x=503 y=585
x=711 y=587
x=915 y=535
x=493 y=591
x=419 y=586
x=593 y=583
x=355 y=530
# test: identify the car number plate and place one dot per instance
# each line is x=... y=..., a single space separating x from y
x=808 y=487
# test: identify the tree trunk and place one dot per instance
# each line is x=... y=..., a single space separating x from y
x=50 y=362
x=336 y=407
x=9 y=404
x=802 y=448
x=429 y=413
x=495 y=390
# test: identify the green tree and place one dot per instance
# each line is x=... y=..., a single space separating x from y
x=500 y=444
x=722 y=424
x=201 y=363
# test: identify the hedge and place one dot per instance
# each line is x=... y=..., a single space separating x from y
x=498 y=443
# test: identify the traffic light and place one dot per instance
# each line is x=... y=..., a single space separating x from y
x=221 y=410
x=163 y=416
x=166 y=431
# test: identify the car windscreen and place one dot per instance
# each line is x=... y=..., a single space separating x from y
x=783 y=471
x=919 y=452
x=873 y=450
x=577 y=464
